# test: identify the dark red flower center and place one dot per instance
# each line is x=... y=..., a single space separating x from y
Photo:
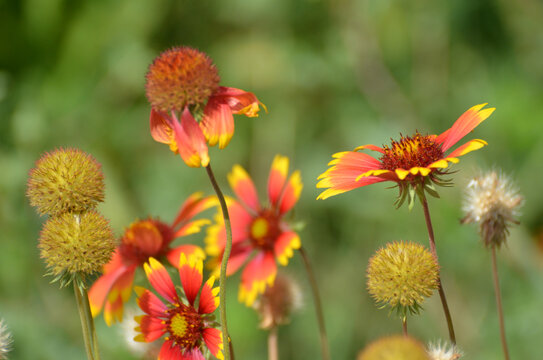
x=264 y=230
x=144 y=239
x=411 y=151
x=185 y=326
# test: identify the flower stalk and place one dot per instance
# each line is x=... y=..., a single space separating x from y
x=318 y=306
x=273 y=348
x=226 y=255
x=499 y=302
x=434 y=253
x=87 y=323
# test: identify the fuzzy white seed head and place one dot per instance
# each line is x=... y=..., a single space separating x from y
x=444 y=351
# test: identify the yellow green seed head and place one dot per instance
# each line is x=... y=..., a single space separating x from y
x=397 y=347
x=402 y=275
x=75 y=244
x=492 y=202
x=65 y=180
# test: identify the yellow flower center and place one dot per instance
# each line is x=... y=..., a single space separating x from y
x=178 y=326
x=259 y=228
x=265 y=230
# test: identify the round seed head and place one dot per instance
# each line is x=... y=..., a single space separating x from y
x=6 y=340
x=394 y=348
x=180 y=77
x=65 y=180
x=444 y=351
x=402 y=275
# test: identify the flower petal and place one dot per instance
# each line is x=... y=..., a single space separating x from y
x=194 y=205
x=284 y=245
x=209 y=299
x=291 y=193
x=190 y=273
x=150 y=303
x=101 y=288
x=113 y=311
x=470 y=146
x=258 y=273
x=119 y=294
x=151 y=328
x=187 y=249
x=401 y=173
x=213 y=339
x=277 y=178
x=190 y=140
x=161 y=130
x=240 y=102
x=160 y=280
x=370 y=147
x=243 y=187
x=465 y=123
x=217 y=123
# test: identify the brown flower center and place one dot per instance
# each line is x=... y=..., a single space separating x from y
x=185 y=326
x=264 y=230
x=180 y=77
x=409 y=152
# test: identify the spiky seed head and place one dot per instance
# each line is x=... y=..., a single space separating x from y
x=278 y=302
x=402 y=275
x=444 y=351
x=396 y=347
x=180 y=77
x=65 y=180
x=75 y=244
x=6 y=340
x=493 y=202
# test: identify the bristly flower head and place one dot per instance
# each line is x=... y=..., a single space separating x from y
x=76 y=245
x=6 y=341
x=402 y=275
x=493 y=202
x=278 y=301
x=65 y=180
x=396 y=347
x=189 y=108
x=439 y=351
x=189 y=328
x=179 y=77
x=415 y=162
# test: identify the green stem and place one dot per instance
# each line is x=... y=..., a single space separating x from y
x=224 y=262
x=80 y=293
x=499 y=302
x=434 y=253
x=318 y=306
x=404 y=326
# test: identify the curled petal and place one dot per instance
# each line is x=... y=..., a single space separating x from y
x=161 y=130
x=244 y=188
x=240 y=102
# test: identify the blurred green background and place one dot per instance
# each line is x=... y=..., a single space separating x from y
x=334 y=75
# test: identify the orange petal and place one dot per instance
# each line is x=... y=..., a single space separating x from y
x=190 y=140
x=370 y=147
x=470 y=146
x=209 y=299
x=190 y=273
x=243 y=186
x=160 y=280
x=194 y=204
x=259 y=273
x=213 y=339
x=277 y=178
x=284 y=246
x=291 y=193
x=240 y=102
x=187 y=249
x=161 y=130
x=217 y=123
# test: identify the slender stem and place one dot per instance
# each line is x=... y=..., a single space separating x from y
x=499 y=302
x=87 y=337
x=90 y=321
x=434 y=252
x=318 y=306
x=404 y=326
x=273 y=348
x=225 y=256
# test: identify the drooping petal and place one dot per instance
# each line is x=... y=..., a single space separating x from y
x=118 y=295
x=258 y=273
x=150 y=303
x=160 y=280
x=346 y=167
x=161 y=130
x=240 y=102
x=151 y=328
x=113 y=311
x=284 y=246
x=465 y=123
x=187 y=249
x=101 y=288
x=218 y=122
x=194 y=205
x=190 y=140
x=277 y=178
x=243 y=187
x=291 y=193
x=213 y=339
x=209 y=299
x=190 y=273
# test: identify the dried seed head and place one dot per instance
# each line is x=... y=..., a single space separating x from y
x=65 y=180
x=394 y=348
x=180 y=77
x=444 y=351
x=278 y=301
x=401 y=275
x=492 y=202
x=76 y=244
x=6 y=341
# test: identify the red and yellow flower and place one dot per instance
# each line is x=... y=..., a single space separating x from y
x=413 y=161
x=182 y=83
x=142 y=240
x=188 y=328
x=258 y=231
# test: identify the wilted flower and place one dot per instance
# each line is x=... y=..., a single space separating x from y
x=142 y=240
x=6 y=341
x=65 y=180
x=415 y=162
x=394 y=348
x=444 y=351
x=492 y=202
x=76 y=245
x=182 y=83
x=256 y=229
x=188 y=328
x=402 y=275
